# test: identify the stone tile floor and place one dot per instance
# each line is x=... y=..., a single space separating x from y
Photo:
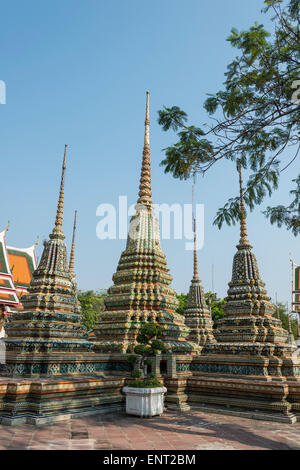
x=196 y=430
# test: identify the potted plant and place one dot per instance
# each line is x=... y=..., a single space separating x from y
x=145 y=393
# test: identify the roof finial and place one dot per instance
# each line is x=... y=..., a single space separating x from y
x=72 y=255
x=145 y=192
x=243 y=224
x=37 y=241
x=8 y=227
x=60 y=207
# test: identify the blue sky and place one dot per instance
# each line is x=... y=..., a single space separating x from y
x=76 y=72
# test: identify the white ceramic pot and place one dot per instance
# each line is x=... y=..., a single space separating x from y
x=144 y=402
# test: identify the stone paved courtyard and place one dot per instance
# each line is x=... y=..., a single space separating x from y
x=117 y=431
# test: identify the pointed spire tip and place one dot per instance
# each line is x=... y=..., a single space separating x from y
x=72 y=254
x=8 y=227
x=196 y=269
x=243 y=220
x=60 y=206
x=145 y=192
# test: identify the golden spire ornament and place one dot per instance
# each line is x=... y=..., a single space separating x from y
x=243 y=223
x=196 y=269
x=145 y=192
x=72 y=254
x=60 y=206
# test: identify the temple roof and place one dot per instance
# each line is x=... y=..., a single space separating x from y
x=8 y=291
x=22 y=264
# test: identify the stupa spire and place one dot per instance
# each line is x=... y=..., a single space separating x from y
x=289 y=324
x=145 y=192
x=243 y=221
x=60 y=206
x=248 y=311
x=147 y=122
x=195 y=271
x=197 y=315
x=277 y=307
x=72 y=254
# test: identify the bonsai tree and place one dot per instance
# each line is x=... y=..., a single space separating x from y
x=148 y=345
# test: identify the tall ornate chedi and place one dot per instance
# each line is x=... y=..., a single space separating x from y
x=249 y=321
x=252 y=366
x=196 y=312
x=141 y=291
x=48 y=333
